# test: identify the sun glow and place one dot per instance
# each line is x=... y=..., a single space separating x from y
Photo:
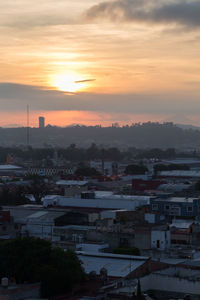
x=68 y=82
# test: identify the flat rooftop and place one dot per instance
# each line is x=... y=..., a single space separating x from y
x=177 y=199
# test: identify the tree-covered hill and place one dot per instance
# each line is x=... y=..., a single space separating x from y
x=137 y=135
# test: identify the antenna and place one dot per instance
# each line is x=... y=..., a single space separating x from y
x=27 y=115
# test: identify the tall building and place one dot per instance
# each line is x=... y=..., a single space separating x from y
x=41 y=122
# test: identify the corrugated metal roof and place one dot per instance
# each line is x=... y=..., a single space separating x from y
x=116 y=265
x=71 y=182
x=183 y=224
x=38 y=214
x=180 y=173
x=9 y=167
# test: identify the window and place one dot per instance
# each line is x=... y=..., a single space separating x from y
x=189 y=208
x=154 y=206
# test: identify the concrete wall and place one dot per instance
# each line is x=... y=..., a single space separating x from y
x=38 y=230
x=170 y=284
x=150 y=218
x=143 y=240
x=160 y=239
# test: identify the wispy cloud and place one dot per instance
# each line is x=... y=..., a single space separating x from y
x=179 y=12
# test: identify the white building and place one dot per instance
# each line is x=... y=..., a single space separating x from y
x=100 y=201
x=160 y=239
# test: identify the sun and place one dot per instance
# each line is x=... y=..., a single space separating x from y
x=67 y=82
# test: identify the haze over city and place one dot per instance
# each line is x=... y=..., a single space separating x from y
x=99 y=62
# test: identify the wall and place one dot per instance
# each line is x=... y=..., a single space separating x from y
x=97 y=203
x=170 y=284
x=150 y=218
x=160 y=239
x=143 y=239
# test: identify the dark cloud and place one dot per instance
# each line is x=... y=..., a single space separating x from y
x=179 y=12
x=84 y=80
x=15 y=97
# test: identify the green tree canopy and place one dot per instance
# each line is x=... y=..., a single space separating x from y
x=136 y=169
x=33 y=260
x=87 y=171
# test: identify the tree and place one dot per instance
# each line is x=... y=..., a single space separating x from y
x=139 y=295
x=33 y=260
x=38 y=188
x=197 y=186
x=13 y=196
x=87 y=172
x=127 y=251
x=136 y=169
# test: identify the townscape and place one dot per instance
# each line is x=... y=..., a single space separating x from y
x=132 y=222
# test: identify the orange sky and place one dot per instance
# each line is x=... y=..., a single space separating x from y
x=140 y=48
x=64 y=118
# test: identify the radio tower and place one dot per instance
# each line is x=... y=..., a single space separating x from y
x=27 y=133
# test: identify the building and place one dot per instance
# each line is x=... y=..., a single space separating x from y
x=142 y=185
x=40 y=224
x=100 y=200
x=172 y=283
x=115 y=265
x=176 y=206
x=185 y=232
x=150 y=236
x=50 y=171
x=11 y=170
x=41 y=122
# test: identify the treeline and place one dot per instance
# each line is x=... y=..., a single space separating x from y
x=142 y=169
x=93 y=152
x=12 y=195
x=139 y=135
x=70 y=153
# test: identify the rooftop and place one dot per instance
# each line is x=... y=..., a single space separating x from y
x=9 y=167
x=177 y=199
x=182 y=224
x=72 y=182
x=180 y=272
x=116 y=265
x=181 y=173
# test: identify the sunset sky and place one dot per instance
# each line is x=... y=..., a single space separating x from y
x=99 y=62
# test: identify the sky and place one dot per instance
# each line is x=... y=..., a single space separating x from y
x=99 y=62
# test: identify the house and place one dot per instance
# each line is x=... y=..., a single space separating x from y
x=152 y=236
x=176 y=206
x=185 y=232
